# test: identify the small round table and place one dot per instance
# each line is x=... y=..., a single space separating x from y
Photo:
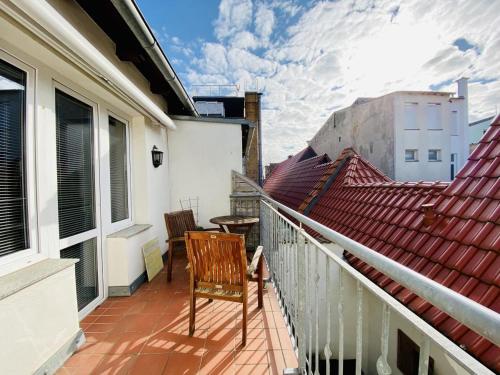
x=235 y=223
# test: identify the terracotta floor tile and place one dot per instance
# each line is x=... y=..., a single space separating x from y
x=259 y=369
x=100 y=327
x=108 y=318
x=148 y=333
x=182 y=364
x=217 y=363
x=251 y=357
x=221 y=340
x=126 y=342
x=82 y=363
x=290 y=358
x=149 y=364
x=181 y=342
x=115 y=365
x=276 y=362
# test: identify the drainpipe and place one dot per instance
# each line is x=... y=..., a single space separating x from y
x=131 y=14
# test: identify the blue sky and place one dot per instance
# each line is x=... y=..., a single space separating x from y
x=310 y=58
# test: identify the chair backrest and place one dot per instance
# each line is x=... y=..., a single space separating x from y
x=217 y=260
x=179 y=222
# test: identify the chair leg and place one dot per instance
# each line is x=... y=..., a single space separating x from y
x=192 y=313
x=260 y=283
x=244 y=323
x=170 y=260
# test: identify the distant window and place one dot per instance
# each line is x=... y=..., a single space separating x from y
x=340 y=138
x=408 y=356
x=454 y=123
x=371 y=147
x=410 y=116
x=434 y=116
x=434 y=155
x=411 y=155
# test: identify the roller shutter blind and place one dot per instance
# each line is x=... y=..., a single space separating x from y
x=75 y=166
x=118 y=170
x=13 y=198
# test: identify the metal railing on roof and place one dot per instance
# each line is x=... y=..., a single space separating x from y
x=299 y=278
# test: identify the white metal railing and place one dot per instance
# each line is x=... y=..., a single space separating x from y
x=311 y=282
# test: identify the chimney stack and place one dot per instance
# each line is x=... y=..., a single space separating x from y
x=429 y=214
x=462 y=87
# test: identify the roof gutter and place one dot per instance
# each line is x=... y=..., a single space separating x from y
x=58 y=27
x=135 y=20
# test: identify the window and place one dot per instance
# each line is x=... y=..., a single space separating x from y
x=118 y=164
x=410 y=116
x=13 y=196
x=75 y=165
x=411 y=155
x=434 y=116
x=454 y=123
x=408 y=356
x=434 y=155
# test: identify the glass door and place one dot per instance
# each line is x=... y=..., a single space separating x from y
x=76 y=195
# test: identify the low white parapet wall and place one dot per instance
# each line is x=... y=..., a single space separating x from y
x=39 y=326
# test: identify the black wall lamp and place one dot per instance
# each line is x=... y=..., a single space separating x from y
x=157 y=156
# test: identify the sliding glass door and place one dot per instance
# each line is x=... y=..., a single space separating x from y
x=76 y=195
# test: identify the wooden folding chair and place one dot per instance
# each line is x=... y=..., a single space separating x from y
x=218 y=270
x=178 y=223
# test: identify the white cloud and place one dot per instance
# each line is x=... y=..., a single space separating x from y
x=264 y=22
x=337 y=51
x=234 y=16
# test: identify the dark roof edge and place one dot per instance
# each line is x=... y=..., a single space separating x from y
x=218 y=120
x=482 y=120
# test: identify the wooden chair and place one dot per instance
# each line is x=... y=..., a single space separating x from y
x=178 y=223
x=218 y=270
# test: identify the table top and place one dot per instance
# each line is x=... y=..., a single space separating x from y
x=234 y=220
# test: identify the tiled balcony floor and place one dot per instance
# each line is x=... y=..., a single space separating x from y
x=147 y=333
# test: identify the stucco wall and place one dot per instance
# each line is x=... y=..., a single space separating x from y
x=367 y=127
x=201 y=157
x=36 y=322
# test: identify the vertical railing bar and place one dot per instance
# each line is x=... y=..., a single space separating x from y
x=423 y=358
x=309 y=304
x=340 y=308
x=359 y=327
x=328 y=351
x=316 y=307
x=301 y=275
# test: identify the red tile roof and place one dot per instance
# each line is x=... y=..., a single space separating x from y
x=460 y=249
x=293 y=179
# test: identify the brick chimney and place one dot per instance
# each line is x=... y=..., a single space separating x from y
x=254 y=149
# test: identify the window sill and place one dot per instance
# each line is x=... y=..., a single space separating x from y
x=434 y=161
x=131 y=231
x=27 y=276
x=432 y=130
x=411 y=161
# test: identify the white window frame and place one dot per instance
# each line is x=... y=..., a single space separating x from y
x=122 y=224
x=438 y=155
x=410 y=105
x=415 y=153
x=440 y=122
x=22 y=258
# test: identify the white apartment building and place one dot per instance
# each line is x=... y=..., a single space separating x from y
x=409 y=135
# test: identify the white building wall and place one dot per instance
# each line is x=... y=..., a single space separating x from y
x=424 y=139
x=201 y=157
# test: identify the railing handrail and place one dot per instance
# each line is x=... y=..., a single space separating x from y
x=475 y=316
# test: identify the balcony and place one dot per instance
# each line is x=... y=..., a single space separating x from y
x=147 y=333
